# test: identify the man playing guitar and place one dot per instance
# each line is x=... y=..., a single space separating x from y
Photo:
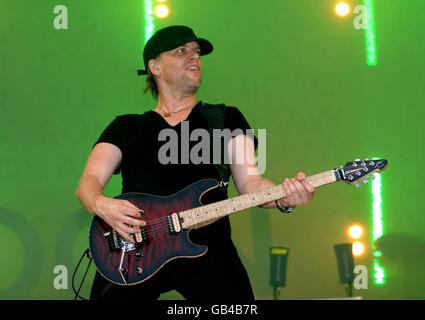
x=130 y=145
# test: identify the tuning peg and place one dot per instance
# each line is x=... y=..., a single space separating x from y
x=365 y=181
x=357 y=160
x=358 y=185
x=372 y=177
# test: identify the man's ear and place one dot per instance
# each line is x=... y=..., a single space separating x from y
x=153 y=65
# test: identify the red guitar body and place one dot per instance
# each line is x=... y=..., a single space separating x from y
x=126 y=263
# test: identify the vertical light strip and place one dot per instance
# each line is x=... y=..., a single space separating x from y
x=149 y=22
x=377 y=207
x=377 y=228
x=370 y=36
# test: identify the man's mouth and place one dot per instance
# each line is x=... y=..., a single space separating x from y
x=192 y=68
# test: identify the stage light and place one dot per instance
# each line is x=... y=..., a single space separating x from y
x=377 y=227
x=161 y=11
x=370 y=36
x=358 y=248
x=379 y=274
x=149 y=20
x=377 y=254
x=342 y=9
x=355 y=232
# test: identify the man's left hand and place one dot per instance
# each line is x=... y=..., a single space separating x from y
x=297 y=191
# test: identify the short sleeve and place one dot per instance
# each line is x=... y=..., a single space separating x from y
x=234 y=119
x=116 y=133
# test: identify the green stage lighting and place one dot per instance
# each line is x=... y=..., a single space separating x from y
x=149 y=22
x=377 y=227
x=370 y=36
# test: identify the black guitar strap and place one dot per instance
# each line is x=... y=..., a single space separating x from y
x=215 y=115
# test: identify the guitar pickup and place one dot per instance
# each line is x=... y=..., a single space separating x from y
x=113 y=240
x=173 y=223
x=142 y=236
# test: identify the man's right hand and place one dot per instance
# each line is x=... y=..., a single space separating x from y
x=123 y=216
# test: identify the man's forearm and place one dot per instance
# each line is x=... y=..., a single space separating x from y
x=88 y=192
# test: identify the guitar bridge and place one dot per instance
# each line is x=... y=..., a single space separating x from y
x=115 y=242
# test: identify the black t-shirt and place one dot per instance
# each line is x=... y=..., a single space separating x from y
x=137 y=136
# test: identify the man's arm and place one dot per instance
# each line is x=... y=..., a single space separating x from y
x=247 y=179
x=121 y=215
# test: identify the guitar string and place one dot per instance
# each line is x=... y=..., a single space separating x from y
x=212 y=207
x=159 y=225
x=257 y=198
x=162 y=225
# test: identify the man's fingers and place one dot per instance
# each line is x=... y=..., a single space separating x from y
x=124 y=232
x=131 y=209
x=301 y=176
x=301 y=191
x=297 y=193
x=309 y=188
x=288 y=192
x=132 y=214
x=133 y=222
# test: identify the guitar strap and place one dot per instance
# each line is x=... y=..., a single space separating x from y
x=215 y=115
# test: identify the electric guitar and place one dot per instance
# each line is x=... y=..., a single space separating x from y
x=170 y=219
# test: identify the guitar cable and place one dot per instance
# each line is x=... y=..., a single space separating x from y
x=87 y=254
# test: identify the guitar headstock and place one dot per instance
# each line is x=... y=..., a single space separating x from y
x=358 y=170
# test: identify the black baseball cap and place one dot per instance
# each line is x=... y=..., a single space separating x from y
x=170 y=38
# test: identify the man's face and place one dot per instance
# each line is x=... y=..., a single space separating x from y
x=181 y=67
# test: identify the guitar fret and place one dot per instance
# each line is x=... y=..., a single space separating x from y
x=206 y=212
x=253 y=198
x=223 y=208
x=267 y=195
x=232 y=205
x=321 y=179
x=215 y=210
x=229 y=209
x=209 y=211
x=220 y=209
x=246 y=201
x=189 y=217
x=201 y=214
x=195 y=214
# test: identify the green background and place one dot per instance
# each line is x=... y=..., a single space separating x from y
x=292 y=66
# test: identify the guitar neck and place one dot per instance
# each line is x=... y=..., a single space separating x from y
x=201 y=215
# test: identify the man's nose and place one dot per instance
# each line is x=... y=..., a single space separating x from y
x=194 y=54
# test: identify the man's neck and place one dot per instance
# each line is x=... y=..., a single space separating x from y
x=174 y=103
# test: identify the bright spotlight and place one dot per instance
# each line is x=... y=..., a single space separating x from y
x=358 y=248
x=161 y=11
x=355 y=232
x=342 y=9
